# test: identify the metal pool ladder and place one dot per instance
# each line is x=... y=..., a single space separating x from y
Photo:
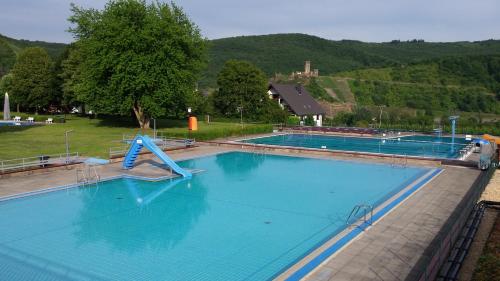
x=403 y=163
x=87 y=175
x=367 y=210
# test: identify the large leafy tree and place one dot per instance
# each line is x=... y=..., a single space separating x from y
x=69 y=75
x=242 y=86
x=32 y=81
x=7 y=57
x=137 y=56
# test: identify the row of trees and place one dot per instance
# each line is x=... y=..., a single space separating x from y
x=33 y=82
x=411 y=119
x=135 y=58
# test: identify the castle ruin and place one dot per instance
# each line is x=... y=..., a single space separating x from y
x=306 y=73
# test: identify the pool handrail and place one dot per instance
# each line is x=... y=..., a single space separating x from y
x=366 y=209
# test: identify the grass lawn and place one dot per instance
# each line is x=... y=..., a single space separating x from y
x=94 y=137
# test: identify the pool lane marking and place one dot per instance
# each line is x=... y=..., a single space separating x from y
x=328 y=253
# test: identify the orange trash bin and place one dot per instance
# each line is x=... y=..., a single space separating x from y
x=193 y=123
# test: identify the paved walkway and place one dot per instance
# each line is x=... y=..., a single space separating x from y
x=391 y=249
x=146 y=166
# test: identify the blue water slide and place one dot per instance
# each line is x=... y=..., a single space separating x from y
x=144 y=141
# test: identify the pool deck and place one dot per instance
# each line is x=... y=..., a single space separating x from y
x=146 y=167
x=395 y=248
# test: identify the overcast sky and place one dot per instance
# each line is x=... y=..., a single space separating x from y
x=365 y=20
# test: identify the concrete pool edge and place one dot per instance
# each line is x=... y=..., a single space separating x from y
x=427 y=161
x=321 y=255
x=246 y=141
x=114 y=177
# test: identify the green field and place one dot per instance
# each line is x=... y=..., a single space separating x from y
x=94 y=137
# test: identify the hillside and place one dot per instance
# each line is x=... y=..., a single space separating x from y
x=415 y=74
x=284 y=53
x=10 y=47
x=466 y=83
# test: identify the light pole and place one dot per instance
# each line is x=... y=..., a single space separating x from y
x=189 y=128
x=154 y=128
x=240 y=110
x=67 y=145
x=380 y=117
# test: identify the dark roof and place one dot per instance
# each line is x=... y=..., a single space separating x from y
x=297 y=97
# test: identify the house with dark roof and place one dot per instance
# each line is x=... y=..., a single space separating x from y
x=297 y=100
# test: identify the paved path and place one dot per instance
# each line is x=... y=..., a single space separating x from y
x=392 y=248
x=51 y=178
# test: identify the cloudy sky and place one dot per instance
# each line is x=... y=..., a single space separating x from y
x=366 y=20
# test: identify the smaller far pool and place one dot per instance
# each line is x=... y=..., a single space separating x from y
x=421 y=146
x=12 y=123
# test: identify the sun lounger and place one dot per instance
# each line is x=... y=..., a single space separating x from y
x=48 y=121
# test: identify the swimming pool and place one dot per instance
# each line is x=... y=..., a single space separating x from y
x=425 y=146
x=13 y=123
x=245 y=217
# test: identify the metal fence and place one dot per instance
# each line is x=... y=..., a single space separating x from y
x=450 y=233
x=161 y=141
x=41 y=161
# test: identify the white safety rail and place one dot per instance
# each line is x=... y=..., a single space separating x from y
x=466 y=151
x=117 y=151
x=161 y=141
x=38 y=161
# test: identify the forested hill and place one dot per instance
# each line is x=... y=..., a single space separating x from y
x=284 y=53
x=10 y=47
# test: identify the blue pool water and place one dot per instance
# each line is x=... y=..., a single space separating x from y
x=12 y=123
x=435 y=139
x=245 y=217
x=426 y=146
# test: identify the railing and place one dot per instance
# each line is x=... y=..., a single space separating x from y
x=161 y=141
x=399 y=162
x=38 y=161
x=117 y=151
x=367 y=209
x=87 y=175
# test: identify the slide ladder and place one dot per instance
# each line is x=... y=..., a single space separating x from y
x=144 y=141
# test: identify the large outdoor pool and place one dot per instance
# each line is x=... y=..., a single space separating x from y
x=244 y=217
x=425 y=146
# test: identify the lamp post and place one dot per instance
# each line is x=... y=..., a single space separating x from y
x=67 y=145
x=380 y=117
x=240 y=110
x=189 y=129
x=154 y=128
x=453 y=120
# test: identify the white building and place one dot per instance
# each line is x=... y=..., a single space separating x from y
x=297 y=101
